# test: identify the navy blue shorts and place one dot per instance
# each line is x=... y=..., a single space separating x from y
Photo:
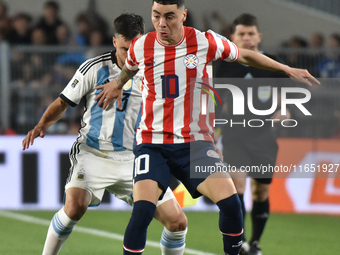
x=159 y=162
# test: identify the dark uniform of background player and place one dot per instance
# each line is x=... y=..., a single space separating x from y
x=247 y=146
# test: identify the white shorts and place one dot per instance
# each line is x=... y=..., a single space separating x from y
x=95 y=171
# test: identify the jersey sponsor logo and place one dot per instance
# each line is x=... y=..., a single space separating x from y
x=212 y=154
x=191 y=61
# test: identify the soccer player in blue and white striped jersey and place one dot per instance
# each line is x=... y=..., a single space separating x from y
x=102 y=157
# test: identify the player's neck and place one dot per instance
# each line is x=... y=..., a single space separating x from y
x=173 y=41
x=119 y=63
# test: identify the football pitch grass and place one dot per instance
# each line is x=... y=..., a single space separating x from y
x=101 y=232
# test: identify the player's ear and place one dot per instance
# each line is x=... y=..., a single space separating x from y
x=114 y=40
x=232 y=37
x=185 y=13
x=260 y=37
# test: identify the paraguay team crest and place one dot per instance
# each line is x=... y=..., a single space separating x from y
x=191 y=61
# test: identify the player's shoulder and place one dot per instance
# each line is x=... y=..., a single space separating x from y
x=216 y=35
x=96 y=63
x=194 y=31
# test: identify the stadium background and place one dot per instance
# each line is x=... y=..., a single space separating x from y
x=32 y=76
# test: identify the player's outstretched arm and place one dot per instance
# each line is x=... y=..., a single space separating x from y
x=252 y=58
x=52 y=114
x=113 y=89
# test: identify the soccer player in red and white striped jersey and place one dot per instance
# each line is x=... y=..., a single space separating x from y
x=168 y=112
x=175 y=136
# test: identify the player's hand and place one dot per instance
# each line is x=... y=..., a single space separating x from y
x=31 y=135
x=219 y=152
x=303 y=76
x=110 y=92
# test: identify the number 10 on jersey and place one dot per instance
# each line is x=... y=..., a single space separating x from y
x=170 y=86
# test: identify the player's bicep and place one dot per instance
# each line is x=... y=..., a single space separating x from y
x=131 y=61
x=225 y=49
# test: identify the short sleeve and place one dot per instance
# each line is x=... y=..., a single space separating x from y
x=224 y=48
x=77 y=88
x=131 y=61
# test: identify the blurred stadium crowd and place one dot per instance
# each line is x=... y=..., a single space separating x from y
x=43 y=54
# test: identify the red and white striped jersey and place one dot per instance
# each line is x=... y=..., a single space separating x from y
x=173 y=75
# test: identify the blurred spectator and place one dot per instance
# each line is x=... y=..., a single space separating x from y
x=63 y=34
x=97 y=39
x=298 y=56
x=70 y=57
x=98 y=22
x=316 y=44
x=22 y=29
x=330 y=66
x=5 y=22
x=334 y=41
x=38 y=37
x=83 y=29
x=316 y=40
x=50 y=21
x=297 y=42
x=3 y=10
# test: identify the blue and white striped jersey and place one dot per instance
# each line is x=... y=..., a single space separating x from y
x=111 y=129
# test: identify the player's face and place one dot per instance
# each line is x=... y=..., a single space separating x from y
x=122 y=46
x=168 y=22
x=246 y=37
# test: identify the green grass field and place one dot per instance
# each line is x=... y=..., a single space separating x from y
x=100 y=232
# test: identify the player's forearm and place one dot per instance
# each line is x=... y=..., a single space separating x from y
x=124 y=76
x=53 y=113
x=258 y=60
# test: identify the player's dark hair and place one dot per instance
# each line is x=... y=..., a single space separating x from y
x=129 y=25
x=244 y=19
x=179 y=3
